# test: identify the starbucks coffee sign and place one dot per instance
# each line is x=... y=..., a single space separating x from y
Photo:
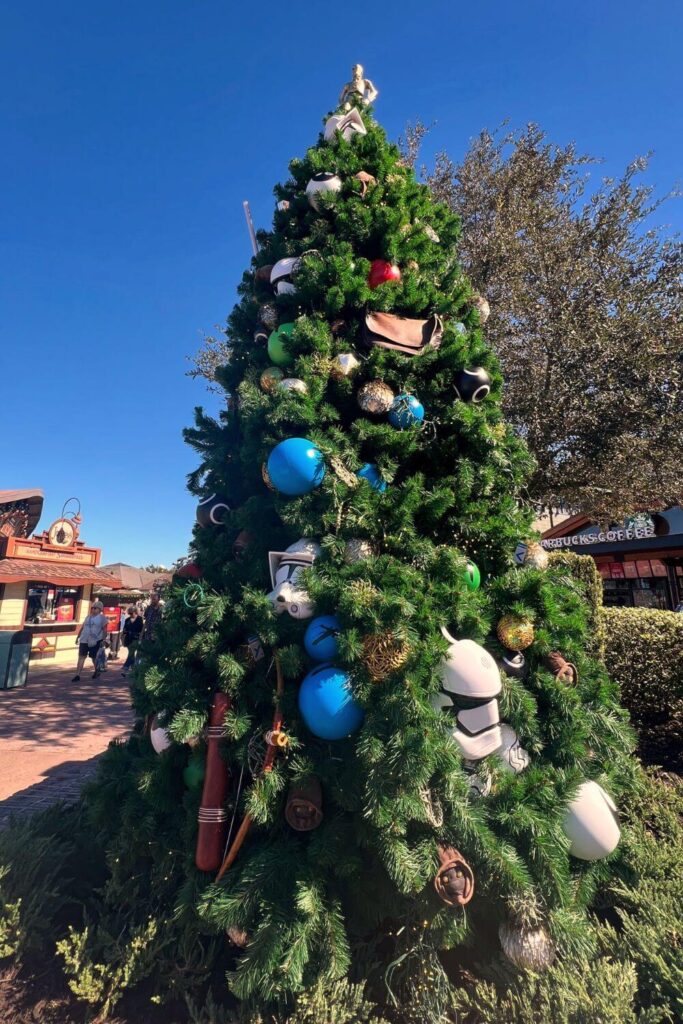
x=639 y=532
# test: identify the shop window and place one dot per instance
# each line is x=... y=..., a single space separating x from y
x=47 y=604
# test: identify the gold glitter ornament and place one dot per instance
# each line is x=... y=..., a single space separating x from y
x=357 y=550
x=515 y=632
x=344 y=365
x=376 y=397
x=535 y=556
x=270 y=378
x=383 y=654
x=293 y=384
x=365 y=594
x=482 y=307
x=266 y=477
x=531 y=949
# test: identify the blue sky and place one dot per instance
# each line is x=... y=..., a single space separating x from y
x=131 y=133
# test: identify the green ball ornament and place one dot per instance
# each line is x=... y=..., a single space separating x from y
x=193 y=772
x=277 y=345
x=471 y=576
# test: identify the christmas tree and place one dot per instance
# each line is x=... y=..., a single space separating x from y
x=371 y=736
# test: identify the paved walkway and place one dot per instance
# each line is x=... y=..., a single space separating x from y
x=52 y=732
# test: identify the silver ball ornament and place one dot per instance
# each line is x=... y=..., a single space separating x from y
x=268 y=315
x=344 y=365
x=293 y=384
x=534 y=556
x=376 y=397
x=357 y=550
x=530 y=949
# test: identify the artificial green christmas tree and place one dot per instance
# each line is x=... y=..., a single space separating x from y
x=418 y=753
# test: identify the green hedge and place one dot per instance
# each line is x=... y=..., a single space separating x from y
x=644 y=655
x=582 y=572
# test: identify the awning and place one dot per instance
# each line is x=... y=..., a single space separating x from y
x=16 y=570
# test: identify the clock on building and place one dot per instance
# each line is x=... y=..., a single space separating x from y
x=62 y=533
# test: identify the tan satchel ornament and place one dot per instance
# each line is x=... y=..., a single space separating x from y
x=411 y=337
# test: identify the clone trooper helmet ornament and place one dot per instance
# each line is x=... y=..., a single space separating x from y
x=282 y=275
x=288 y=595
x=347 y=125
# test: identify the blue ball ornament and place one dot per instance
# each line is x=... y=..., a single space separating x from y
x=370 y=473
x=296 y=466
x=406 y=410
x=320 y=638
x=327 y=704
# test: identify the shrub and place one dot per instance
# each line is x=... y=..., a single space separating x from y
x=582 y=572
x=644 y=655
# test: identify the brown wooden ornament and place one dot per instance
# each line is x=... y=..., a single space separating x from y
x=562 y=669
x=212 y=815
x=304 y=806
x=454 y=881
x=262 y=275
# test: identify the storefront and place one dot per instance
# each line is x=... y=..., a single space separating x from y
x=46 y=581
x=640 y=561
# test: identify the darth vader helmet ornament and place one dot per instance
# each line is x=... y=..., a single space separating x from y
x=286 y=567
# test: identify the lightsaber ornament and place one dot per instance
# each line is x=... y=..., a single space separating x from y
x=212 y=816
x=250 y=227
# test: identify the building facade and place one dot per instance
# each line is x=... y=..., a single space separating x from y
x=46 y=581
x=640 y=561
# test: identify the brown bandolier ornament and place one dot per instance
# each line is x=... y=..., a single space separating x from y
x=562 y=669
x=411 y=337
x=454 y=882
x=212 y=816
x=304 y=806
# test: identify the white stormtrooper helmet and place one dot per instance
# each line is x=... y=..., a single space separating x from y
x=282 y=273
x=591 y=823
x=511 y=753
x=286 y=567
x=347 y=125
x=476 y=730
x=468 y=670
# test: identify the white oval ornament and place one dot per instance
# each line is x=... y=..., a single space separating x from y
x=591 y=823
x=159 y=736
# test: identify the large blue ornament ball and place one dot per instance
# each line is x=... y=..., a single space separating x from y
x=406 y=410
x=296 y=466
x=371 y=473
x=327 y=704
x=320 y=639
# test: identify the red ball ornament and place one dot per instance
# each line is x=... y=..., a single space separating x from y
x=189 y=571
x=382 y=272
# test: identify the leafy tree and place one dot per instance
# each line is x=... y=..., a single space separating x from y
x=586 y=316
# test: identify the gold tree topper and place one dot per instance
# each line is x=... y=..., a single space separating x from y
x=358 y=91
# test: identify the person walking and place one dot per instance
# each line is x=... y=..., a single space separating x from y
x=90 y=638
x=153 y=613
x=132 y=631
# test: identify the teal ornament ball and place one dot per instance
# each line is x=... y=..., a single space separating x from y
x=327 y=704
x=296 y=466
x=371 y=473
x=471 y=576
x=277 y=345
x=406 y=411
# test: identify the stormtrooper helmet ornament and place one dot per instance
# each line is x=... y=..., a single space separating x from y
x=347 y=125
x=286 y=567
x=282 y=275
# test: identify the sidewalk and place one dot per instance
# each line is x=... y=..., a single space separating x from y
x=52 y=732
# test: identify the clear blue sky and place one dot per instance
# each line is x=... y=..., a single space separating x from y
x=131 y=133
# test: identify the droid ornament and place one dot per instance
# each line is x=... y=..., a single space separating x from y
x=288 y=595
x=359 y=90
x=212 y=511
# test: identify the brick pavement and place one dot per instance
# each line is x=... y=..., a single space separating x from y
x=52 y=732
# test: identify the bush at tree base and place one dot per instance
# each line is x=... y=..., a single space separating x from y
x=356 y=896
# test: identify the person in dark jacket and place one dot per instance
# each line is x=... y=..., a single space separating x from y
x=130 y=638
x=153 y=613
